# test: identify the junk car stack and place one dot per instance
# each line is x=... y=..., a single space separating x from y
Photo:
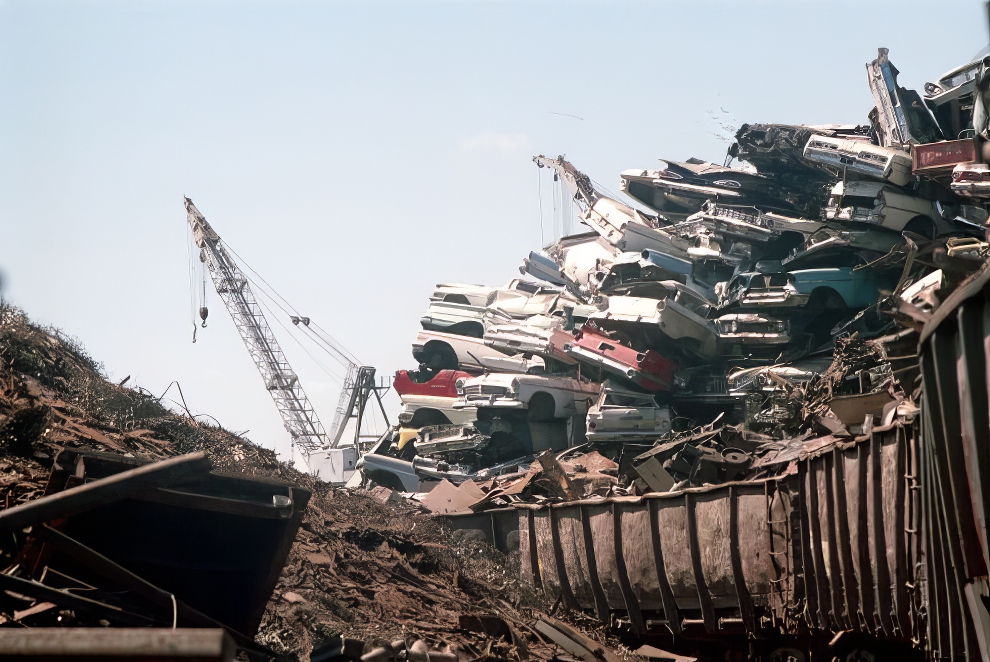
x=708 y=415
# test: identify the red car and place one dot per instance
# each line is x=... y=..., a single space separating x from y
x=649 y=370
x=441 y=385
x=428 y=398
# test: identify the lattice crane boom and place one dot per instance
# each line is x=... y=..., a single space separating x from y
x=297 y=413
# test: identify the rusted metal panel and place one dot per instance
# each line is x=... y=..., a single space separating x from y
x=916 y=581
x=670 y=610
x=601 y=602
x=628 y=595
x=840 y=506
x=971 y=367
x=878 y=539
x=697 y=563
x=505 y=529
x=600 y=518
x=752 y=541
x=856 y=465
x=856 y=547
x=786 y=583
x=955 y=476
x=571 y=553
x=893 y=451
x=529 y=558
x=936 y=579
x=672 y=524
x=560 y=558
x=712 y=522
x=637 y=552
x=545 y=553
x=830 y=527
x=743 y=596
x=819 y=605
x=706 y=552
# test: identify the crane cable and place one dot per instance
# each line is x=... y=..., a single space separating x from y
x=539 y=188
x=191 y=273
x=310 y=328
x=337 y=379
x=292 y=312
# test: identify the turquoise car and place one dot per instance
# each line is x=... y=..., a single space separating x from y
x=832 y=288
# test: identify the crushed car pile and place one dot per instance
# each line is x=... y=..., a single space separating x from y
x=691 y=344
x=724 y=413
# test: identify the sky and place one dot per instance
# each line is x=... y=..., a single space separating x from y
x=356 y=154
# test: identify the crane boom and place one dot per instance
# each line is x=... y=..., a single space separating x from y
x=297 y=413
x=578 y=183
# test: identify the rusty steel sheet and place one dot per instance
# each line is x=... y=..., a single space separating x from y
x=600 y=525
x=570 y=546
x=859 y=546
x=851 y=538
x=954 y=473
x=546 y=559
x=703 y=554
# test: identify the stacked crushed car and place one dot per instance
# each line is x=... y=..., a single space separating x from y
x=736 y=369
x=723 y=304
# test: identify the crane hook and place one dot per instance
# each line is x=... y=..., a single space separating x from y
x=204 y=312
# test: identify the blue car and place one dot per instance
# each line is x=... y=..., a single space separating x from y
x=833 y=287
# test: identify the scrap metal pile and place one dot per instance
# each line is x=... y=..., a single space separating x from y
x=754 y=306
x=128 y=530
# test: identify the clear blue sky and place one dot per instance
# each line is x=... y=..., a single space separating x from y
x=358 y=153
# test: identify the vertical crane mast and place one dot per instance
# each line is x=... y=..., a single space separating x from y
x=297 y=413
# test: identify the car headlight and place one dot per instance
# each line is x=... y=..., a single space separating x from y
x=514 y=386
x=459 y=386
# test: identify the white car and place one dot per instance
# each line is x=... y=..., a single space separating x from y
x=458 y=314
x=882 y=204
x=861 y=156
x=461 y=319
x=438 y=350
x=621 y=414
x=751 y=328
x=680 y=317
x=544 y=397
x=544 y=340
x=473 y=295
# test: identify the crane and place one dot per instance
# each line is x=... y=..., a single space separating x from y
x=578 y=184
x=298 y=416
